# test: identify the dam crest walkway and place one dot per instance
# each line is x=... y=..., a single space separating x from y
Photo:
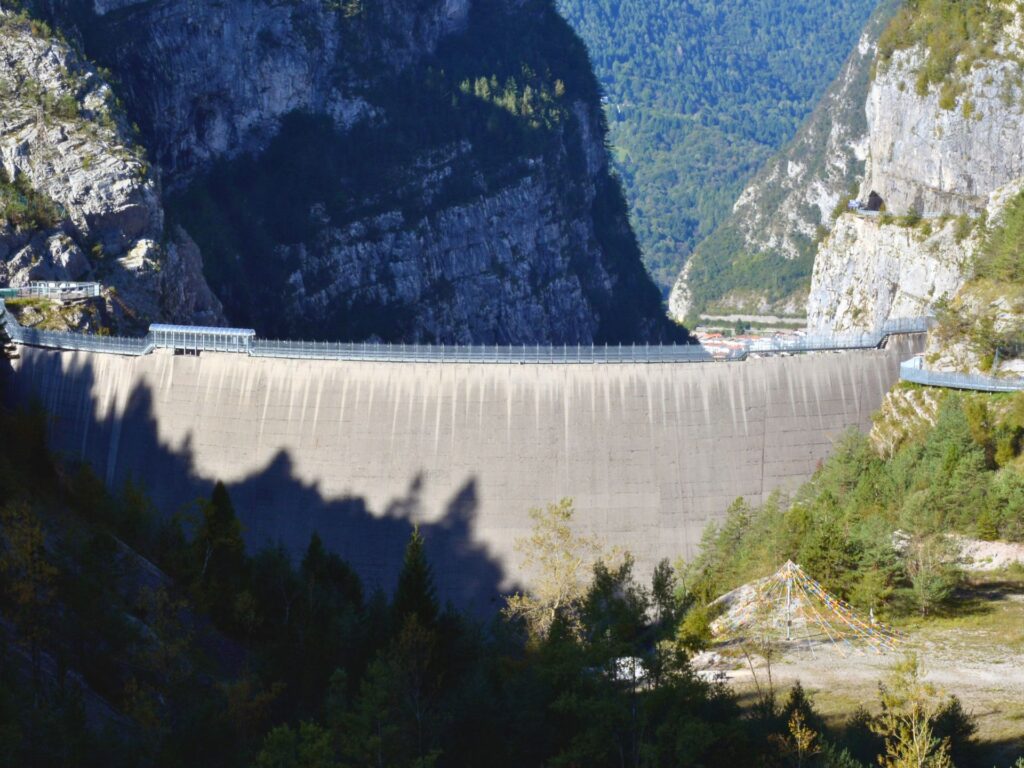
x=185 y=339
x=196 y=339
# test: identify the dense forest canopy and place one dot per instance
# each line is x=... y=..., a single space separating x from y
x=961 y=474
x=700 y=93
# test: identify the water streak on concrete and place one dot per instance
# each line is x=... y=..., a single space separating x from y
x=651 y=453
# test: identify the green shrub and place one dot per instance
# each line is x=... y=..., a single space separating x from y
x=22 y=207
x=66 y=107
x=694 y=632
x=963 y=227
x=955 y=34
x=1001 y=258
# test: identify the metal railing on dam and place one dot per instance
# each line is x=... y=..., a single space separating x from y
x=913 y=371
x=356 y=451
x=194 y=339
x=481 y=354
x=55 y=290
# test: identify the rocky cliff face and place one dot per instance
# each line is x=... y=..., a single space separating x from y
x=945 y=158
x=868 y=271
x=782 y=209
x=206 y=80
x=934 y=155
x=78 y=200
x=417 y=171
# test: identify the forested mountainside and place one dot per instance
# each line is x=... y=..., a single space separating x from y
x=760 y=257
x=396 y=170
x=700 y=94
x=928 y=118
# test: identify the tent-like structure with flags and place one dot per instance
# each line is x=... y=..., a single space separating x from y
x=791 y=607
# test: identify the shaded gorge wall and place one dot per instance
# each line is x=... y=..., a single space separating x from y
x=360 y=452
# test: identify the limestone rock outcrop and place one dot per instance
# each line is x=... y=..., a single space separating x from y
x=814 y=171
x=935 y=158
x=461 y=212
x=943 y=159
x=80 y=202
x=869 y=271
x=787 y=207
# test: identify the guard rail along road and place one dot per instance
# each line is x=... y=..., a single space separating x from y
x=196 y=339
x=913 y=371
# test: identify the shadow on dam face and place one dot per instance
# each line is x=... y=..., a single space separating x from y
x=275 y=507
x=362 y=452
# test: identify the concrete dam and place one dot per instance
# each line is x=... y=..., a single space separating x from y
x=361 y=451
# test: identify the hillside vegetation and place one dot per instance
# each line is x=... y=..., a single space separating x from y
x=22 y=207
x=983 y=324
x=700 y=94
x=874 y=530
x=1002 y=256
x=955 y=34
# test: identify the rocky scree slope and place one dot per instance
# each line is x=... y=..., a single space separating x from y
x=945 y=138
x=759 y=260
x=406 y=171
x=77 y=199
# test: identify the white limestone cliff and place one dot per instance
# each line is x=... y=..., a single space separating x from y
x=945 y=161
x=936 y=158
x=63 y=136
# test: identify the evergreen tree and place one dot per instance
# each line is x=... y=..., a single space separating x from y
x=307 y=747
x=28 y=577
x=416 y=594
x=220 y=555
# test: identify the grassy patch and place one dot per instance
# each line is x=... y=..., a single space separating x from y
x=956 y=35
x=45 y=314
x=987 y=611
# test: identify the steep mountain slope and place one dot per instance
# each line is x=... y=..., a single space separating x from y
x=77 y=199
x=700 y=94
x=944 y=153
x=418 y=171
x=760 y=258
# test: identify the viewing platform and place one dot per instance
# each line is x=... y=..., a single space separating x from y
x=54 y=291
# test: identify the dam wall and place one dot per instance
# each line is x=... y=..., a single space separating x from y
x=362 y=451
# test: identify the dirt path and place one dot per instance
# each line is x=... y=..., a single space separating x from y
x=978 y=656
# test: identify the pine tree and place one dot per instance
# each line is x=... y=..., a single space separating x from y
x=416 y=594
x=28 y=577
x=220 y=554
x=905 y=720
